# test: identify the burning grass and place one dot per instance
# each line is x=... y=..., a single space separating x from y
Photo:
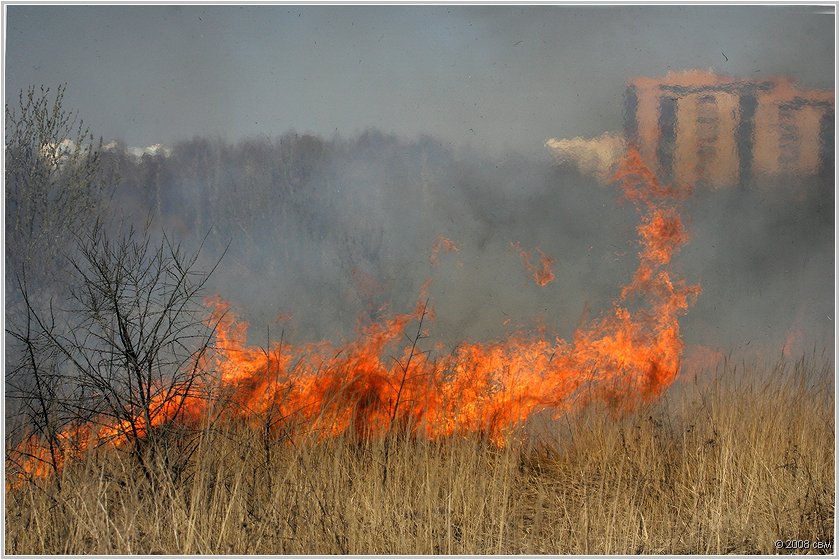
x=369 y=385
x=727 y=462
x=521 y=445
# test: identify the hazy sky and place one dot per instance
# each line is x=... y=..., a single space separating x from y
x=497 y=78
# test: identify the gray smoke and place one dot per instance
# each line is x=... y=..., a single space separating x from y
x=328 y=233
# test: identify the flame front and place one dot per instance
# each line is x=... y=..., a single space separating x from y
x=377 y=382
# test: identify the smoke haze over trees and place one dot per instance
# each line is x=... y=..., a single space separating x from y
x=330 y=224
x=325 y=231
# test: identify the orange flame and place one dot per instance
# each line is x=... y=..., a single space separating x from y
x=441 y=243
x=372 y=384
x=542 y=274
x=793 y=342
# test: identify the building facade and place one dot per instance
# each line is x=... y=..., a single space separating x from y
x=710 y=130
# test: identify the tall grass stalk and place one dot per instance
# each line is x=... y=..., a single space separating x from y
x=726 y=462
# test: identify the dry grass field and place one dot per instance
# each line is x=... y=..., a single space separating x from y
x=728 y=462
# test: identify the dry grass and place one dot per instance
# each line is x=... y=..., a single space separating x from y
x=726 y=464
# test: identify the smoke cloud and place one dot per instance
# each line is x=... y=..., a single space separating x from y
x=325 y=233
x=592 y=156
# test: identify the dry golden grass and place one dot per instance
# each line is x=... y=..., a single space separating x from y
x=725 y=464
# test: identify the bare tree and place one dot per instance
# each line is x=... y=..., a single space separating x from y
x=35 y=386
x=134 y=346
x=54 y=188
x=53 y=180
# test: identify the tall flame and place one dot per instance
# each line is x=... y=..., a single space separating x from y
x=376 y=382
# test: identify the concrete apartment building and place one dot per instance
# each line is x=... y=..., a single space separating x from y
x=714 y=131
x=702 y=128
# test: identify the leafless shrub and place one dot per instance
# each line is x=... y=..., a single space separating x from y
x=133 y=345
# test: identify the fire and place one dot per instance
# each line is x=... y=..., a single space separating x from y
x=542 y=274
x=793 y=342
x=378 y=382
x=441 y=244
